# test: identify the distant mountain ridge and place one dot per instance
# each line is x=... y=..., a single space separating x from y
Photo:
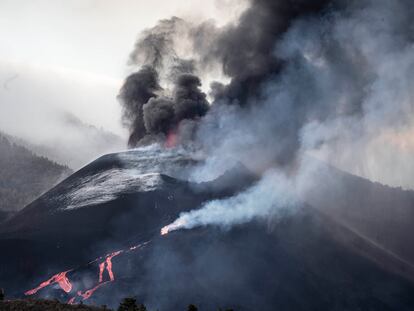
x=24 y=175
x=81 y=144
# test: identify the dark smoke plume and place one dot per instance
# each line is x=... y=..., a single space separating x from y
x=299 y=77
x=162 y=114
x=148 y=108
x=329 y=78
x=189 y=101
x=137 y=90
x=246 y=50
x=157 y=43
x=246 y=53
x=158 y=115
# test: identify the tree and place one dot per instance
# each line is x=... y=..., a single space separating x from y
x=1 y=294
x=130 y=304
x=192 y=308
x=142 y=307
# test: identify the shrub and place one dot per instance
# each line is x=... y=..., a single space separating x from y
x=192 y=308
x=130 y=304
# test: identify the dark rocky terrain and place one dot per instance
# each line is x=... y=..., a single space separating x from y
x=117 y=205
x=44 y=305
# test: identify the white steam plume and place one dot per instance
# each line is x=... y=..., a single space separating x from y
x=273 y=195
x=345 y=94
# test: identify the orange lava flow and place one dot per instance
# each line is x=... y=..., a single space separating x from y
x=165 y=230
x=62 y=280
x=176 y=225
x=108 y=264
x=171 y=140
x=101 y=270
x=87 y=294
x=59 y=278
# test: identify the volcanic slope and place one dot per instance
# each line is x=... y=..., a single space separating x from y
x=116 y=201
x=95 y=238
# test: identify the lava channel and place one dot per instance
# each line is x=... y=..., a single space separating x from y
x=171 y=140
x=60 y=278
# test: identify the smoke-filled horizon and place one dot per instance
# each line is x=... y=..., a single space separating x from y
x=68 y=58
x=327 y=78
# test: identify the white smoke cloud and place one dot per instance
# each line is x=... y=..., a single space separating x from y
x=354 y=70
x=374 y=144
x=274 y=195
x=347 y=84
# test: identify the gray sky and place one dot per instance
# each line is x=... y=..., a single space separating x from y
x=91 y=36
x=70 y=56
x=85 y=45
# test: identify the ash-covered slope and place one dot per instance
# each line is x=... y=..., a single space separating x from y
x=95 y=238
x=384 y=214
x=118 y=200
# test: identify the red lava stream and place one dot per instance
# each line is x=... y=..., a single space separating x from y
x=64 y=283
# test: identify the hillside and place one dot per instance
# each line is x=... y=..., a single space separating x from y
x=24 y=176
x=95 y=238
x=44 y=305
x=85 y=143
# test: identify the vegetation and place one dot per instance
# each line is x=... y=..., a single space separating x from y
x=43 y=305
x=24 y=175
x=128 y=304
x=192 y=308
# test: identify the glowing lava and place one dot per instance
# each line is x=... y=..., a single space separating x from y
x=171 y=140
x=101 y=270
x=65 y=285
x=165 y=230
x=87 y=294
x=108 y=262
x=176 y=225
x=59 y=278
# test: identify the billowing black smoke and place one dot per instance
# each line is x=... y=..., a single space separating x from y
x=299 y=76
x=333 y=79
x=245 y=52
x=137 y=90
x=149 y=109
x=163 y=114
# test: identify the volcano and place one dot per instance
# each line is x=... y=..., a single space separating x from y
x=95 y=238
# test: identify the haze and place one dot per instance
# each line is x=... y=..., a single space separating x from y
x=70 y=58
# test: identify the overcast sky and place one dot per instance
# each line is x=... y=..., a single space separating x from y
x=74 y=53
x=91 y=36
x=69 y=56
